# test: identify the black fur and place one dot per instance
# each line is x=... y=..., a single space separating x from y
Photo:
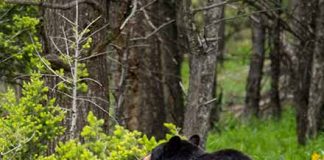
x=177 y=149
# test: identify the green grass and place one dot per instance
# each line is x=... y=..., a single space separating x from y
x=264 y=139
x=232 y=81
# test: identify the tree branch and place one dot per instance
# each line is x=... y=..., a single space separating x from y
x=130 y=15
x=65 y=6
x=210 y=7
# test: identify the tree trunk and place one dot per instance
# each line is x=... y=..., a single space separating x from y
x=202 y=82
x=275 y=47
x=153 y=70
x=304 y=25
x=96 y=98
x=253 y=87
x=316 y=102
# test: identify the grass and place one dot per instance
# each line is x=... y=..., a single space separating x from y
x=264 y=139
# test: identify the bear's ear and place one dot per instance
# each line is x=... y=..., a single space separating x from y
x=195 y=139
x=175 y=140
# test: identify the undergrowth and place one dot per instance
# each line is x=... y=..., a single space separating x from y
x=264 y=139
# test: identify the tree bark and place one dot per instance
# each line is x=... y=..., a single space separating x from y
x=316 y=102
x=253 y=87
x=202 y=82
x=53 y=26
x=305 y=14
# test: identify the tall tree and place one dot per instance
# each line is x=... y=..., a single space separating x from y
x=253 y=86
x=304 y=25
x=203 y=41
x=275 y=47
x=56 y=16
x=316 y=99
x=152 y=73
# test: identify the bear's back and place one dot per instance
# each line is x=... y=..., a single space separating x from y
x=225 y=154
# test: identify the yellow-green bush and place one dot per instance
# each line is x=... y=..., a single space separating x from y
x=122 y=144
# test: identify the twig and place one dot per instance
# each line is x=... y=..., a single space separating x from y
x=130 y=15
x=90 y=79
x=210 y=101
x=101 y=28
x=19 y=145
x=85 y=30
x=92 y=56
x=210 y=7
x=152 y=33
x=47 y=66
x=148 y=19
x=148 y=4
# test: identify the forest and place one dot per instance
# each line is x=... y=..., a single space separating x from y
x=113 y=79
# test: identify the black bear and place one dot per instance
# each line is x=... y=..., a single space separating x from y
x=177 y=149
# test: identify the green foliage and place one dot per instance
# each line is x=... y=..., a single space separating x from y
x=173 y=130
x=18 y=40
x=122 y=144
x=29 y=123
x=264 y=139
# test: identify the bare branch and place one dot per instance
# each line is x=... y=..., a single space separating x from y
x=86 y=29
x=148 y=4
x=130 y=15
x=147 y=18
x=92 y=56
x=152 y=33
x=65 y=6
x=210 y=101
x=90 y=79
x=210 y=7
x=95 y=32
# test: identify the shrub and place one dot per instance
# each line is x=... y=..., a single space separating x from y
x=28 y=123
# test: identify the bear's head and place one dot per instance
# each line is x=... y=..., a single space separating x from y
x=177 y=149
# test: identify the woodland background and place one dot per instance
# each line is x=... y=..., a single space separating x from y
x=111 y=79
